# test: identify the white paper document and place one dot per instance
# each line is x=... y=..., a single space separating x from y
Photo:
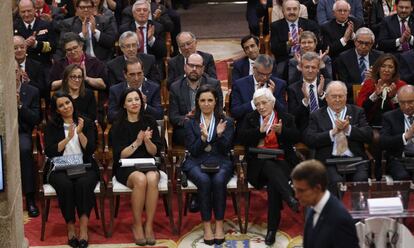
x=127 y=162
x=387 y=205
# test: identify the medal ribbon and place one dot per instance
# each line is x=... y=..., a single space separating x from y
x=211 y=127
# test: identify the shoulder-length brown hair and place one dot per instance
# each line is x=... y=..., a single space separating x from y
x=380 y=61
x=65 y=80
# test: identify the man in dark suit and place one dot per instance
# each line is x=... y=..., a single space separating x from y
x=284 y=40
x=352 y=64
x=151 y=34
x=324 y=10
x=188 y=45
x=307 y=96
x=182 y=95
x=407 y=66
x=97 y=30
x=395 y=33
x=338 y=33
x=397 y=133
x=339 y=130
x=32 y=70
x=28 y=117
x=128 y=42
x=134 y=75
x=244 y=67
x=328 y=224
x=40 y=38
x=244 y=88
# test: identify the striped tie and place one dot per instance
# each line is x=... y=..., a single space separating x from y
x=313 y=102
x=295 y=38
x=362 y=68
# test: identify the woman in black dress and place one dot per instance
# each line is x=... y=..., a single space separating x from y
x=68 y=134
x=73 y=83
x=135 y=135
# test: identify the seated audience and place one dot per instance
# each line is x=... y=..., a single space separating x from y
x=397 y=134
x=28 y=113
x=352 y=65
x=73 y=84
x=267 y=127
x=379 y=10
x=339 y=130
x=137 y=136
x=308 y=43
x=128 y=42
x=68 y=134
x=307 y=95
x=94 y=69
x=407 y=66
x=244 y=88
x=209 y=137
x=244 y=67
x=379 y=93
x=134 y=75
x=182 y=95
x=324 y=10
x=188 y=45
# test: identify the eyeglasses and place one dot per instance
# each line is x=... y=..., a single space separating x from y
x=133 y=45
x=261 y=74
x=342 y=10
x=194 y=66
x=363 y=43
x=136 y=74
x=68 y=50
x=186 y=44
x=76 y=77
x=85 y=7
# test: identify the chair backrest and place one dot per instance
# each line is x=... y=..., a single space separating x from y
x=356 y=88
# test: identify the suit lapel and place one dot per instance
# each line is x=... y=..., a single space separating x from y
x=184 y=92
x=250 y=87
x=246 y=66
x=145 y=88
x=400 y=121
x=326 y=120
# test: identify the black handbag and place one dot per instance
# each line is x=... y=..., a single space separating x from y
x=210 y=167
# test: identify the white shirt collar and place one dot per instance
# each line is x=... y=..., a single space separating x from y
x=313 y=83
x=32 y=23
x=406 y=19
x=139 y=25
x=140 y=88
x=322 y=202
x=295 y=22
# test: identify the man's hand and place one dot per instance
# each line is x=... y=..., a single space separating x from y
x=305 y=92
x=31 y=40
x=322 y=55
x=321 y=85
x=92 y=22
x=151 y=31
x=405 y=37
x=349 y=31
x=409 y=133
x=157 y=14
x=18 y=99
x=271 y=85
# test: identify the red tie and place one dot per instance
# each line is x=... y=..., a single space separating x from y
x=405 y=46
x=141 y=40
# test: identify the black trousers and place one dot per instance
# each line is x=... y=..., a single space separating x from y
x=27 y=166
x=74 y=193
x=272 y=173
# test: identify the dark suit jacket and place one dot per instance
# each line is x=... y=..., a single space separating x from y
x=176 y=67
x=180 y=103
x=347 y=66
x=94 y=68
x=103 y=48
x=242 y=93
x=116 y=69
x=391 y=133
x=407 y=66
x=45 y=37
x=279 y=36
x=158 y=49
x=29 y=113
x=334 y=228
x=220 y=145
x=34 y=70
x=250 y=136
x=150 y=89
x=390 y=31
x=241 y=68
x=332 y=32
x=295 y=75
x=325 y=13
x=317 y=134
x=296 y=107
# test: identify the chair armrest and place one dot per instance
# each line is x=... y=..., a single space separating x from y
x=106 y=138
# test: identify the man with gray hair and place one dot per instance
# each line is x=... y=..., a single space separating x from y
x=244 y=88
x=307 y=95
x=353 y=64
x=338 y=130
x=324 y=10
x=187 y=44
x=129 y=44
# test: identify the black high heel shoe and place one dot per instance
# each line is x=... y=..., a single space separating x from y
x=209 y=241
x=270 y=237
x=73 y=242
x=219 y=241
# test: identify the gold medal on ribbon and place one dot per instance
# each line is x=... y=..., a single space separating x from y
x=208 y=148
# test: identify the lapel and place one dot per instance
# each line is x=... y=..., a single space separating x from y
x=400 y=125
x=246 y=66
x=180 y=64
x=326 y=123
x=145 y=88
x=24 y=95
x=322 y=217
x=353 y=62
x=250 y=87
x=372 y=58
x=184 y=94
x=395 y=23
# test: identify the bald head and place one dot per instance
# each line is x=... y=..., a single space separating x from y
x=27 y=11
x=194 y=67
x=405 y=97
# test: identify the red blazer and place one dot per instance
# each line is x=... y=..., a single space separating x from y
x=369 y=87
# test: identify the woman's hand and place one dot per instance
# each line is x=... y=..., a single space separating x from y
x=79 y=128
x=71 y=131
x=221 y=127
x=265 y=124
x=379 y=86
x=277 y=127
x=147 y=134
x=204 y=133
x=321 y=85
x=392 y=90
x=140 y=138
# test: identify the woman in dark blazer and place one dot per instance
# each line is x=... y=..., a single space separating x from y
x=68 y=134
x=135 y=135
x=267 y=128
x=209 y=136
x=73 y=83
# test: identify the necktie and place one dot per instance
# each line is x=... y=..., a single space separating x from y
x=29 y=28
x=362 y=68
x=341 y=141
x=88 y=38
x=411 y=120
x=141 y=39
x=405 y=46
x=313 y=102
x=295 y=38
x=309 y=228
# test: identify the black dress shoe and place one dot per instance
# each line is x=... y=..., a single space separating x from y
x=83 y=243
x=219 y=241
x=194 y=208
x=293 y=204
x=270 y=237
x=32 y=210
x=209 y=241
x=73 y=242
